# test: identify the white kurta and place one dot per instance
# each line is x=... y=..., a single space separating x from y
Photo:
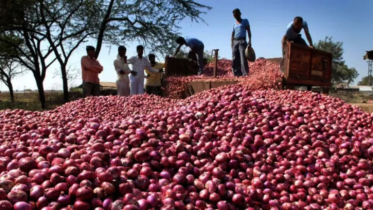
x=139 y=65
x=123 y=87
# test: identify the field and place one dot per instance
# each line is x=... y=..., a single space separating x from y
x=30 y=100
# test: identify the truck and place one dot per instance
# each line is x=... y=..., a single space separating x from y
x=305 y=66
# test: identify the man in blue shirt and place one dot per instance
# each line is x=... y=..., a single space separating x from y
x=196 y=47
x=293 y=32
x=238 y=43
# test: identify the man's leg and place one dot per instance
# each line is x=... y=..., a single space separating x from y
x=200 y=59
x=148 y=89
x=243 y=60
x=120 y=88
x=87 y=86
x=127 y=91
x=96 y=90
x=299 y=40
x=236 y=64
x=158 y=90
x=133 y=89
x=140 y=86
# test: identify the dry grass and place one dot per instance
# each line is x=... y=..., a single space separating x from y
x=30 y=100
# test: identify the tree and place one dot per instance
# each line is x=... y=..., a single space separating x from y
x=22 y=38
x=9 y=69
x=154 y=23
x=340 y=71
x=66 y=26
x=366 y=81
x=71 y=75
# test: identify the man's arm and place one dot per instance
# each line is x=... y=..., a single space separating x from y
x=120 y=68
x=308 y=35
x=99 y=66
x=177 y=50
x=249 y=34
x=131 y=60
x=284 y=39
x=91 y=67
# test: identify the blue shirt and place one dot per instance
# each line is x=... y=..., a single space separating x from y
x=239 y=30
x=193 y=43
x=291 y=34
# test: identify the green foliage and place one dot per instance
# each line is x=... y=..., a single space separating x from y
x=366 y=81
x=153 y=23
x=208 y=55
x=340 y=71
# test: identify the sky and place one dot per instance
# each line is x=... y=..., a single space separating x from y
x=348 y=21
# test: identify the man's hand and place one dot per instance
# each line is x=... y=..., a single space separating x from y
x=312 y=47
x=249 y=44
x=133 y=73
x=121 y=72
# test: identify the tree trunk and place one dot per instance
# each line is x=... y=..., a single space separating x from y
x=11 y=92
x=102 y=28
x=64 y=84
x=39 y=84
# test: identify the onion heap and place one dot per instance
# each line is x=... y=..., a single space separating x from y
x=263 y=74
x=226 y=148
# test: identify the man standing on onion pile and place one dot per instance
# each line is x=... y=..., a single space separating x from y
x=139 y=64
x=293 y=35
x=90 y=70
x=238 y=43
x=153 y=81
x=197 y=48
x=122 y=69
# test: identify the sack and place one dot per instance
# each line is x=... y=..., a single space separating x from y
x=250 y=54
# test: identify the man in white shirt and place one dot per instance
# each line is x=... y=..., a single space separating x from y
x=139 y=64
x=122 y=69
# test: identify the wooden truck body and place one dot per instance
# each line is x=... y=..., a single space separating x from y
x=180 y=67
x=304 y=66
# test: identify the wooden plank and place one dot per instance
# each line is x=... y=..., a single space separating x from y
x=216 y=84
x=308 y=82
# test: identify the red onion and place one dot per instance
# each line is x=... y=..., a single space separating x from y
x=84 y=193
x=36 y=192
x=17 y=196
x=5 y=205
x=22 y=206
x=81 y=205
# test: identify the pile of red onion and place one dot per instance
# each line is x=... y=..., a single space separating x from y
x=227 y=148
x=263 y=74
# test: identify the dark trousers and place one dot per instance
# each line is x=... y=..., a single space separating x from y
x=239 y=63
x=156 y=90
x=197 y=54
x=299 y=40
x=91 y=89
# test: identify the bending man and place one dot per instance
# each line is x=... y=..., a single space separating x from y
x=293 y=33
x=139 y=64
x=196 y=47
